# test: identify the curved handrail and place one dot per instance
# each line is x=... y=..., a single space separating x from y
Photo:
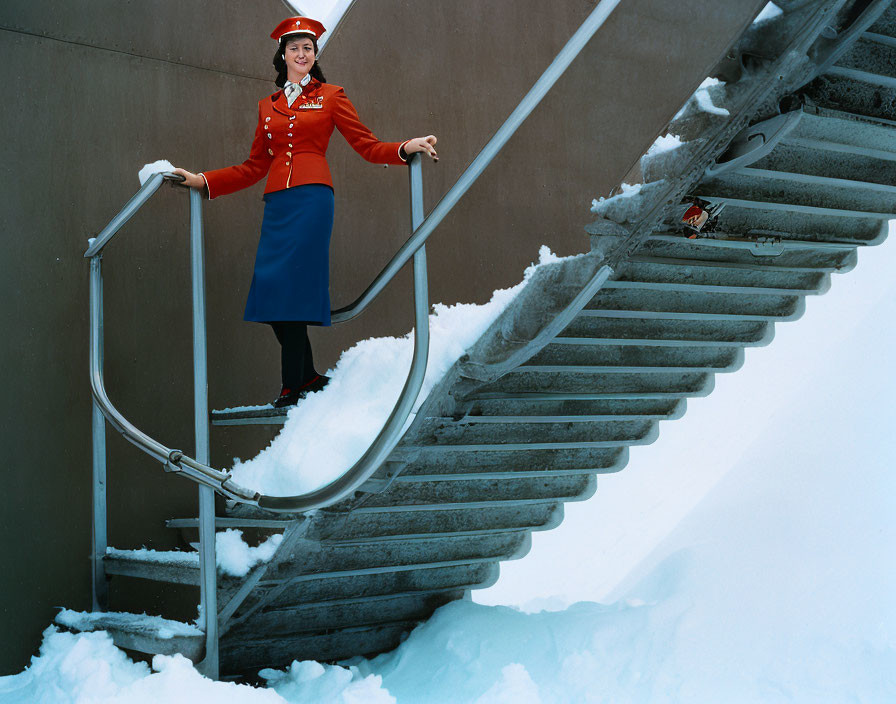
x=147 y=190
x=531 y=100
x=181 y=463
x=174 y=460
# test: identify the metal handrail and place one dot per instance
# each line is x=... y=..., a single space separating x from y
x=201 y=472
x=531 y=100
x=174 y=460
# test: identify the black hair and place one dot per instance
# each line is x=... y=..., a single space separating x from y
x=280 y=63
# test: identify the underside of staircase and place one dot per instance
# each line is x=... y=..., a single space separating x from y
x=589 y=357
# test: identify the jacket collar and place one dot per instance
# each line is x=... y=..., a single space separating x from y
x=279 y=103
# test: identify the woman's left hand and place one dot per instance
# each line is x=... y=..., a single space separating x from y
x=422 y=144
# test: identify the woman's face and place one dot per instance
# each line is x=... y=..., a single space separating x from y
x=299 y=57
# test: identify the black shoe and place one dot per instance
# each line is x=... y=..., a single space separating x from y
x=287 y=398
x=316 y=384
x=290 y=397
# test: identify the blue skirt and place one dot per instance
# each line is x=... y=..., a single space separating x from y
x=292 y=265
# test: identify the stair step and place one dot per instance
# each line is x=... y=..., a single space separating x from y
x=685 y=287
x=355 y=526
x=886 y=23
x=534 y=406
x=848 y=133
x=868 y=75
x=359 y=524
x=145 y=634
x=500 y=420
x=810 y=193
x=778 y=208
x=767 y=306
x=451 y=432
x=765 y=272
x=666 y=381
x=455 y=461
x=854 y=92
x=747 y=219
x=250 y=415
x=823 y=256
x=871 y=53
x=310 y=589
x=172 y=566
x=354 y=541
x=248 y=656
x=593 y=342
x=312 y=557
x=315 y=558
x=326 y=616
x=745 y=333
x=550 y=488
x=690 y=315
x=571 y=354
x=825 y=159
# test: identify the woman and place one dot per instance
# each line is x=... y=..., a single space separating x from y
x=290 y=285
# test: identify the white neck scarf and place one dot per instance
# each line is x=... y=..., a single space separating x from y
x=294 y=90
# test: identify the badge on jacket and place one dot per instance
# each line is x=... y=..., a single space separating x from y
x=315 y=104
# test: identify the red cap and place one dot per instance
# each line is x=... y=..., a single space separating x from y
x=298 y=25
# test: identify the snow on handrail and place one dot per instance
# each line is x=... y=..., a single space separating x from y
x=174 y=460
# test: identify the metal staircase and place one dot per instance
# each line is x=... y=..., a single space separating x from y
x=590 y=356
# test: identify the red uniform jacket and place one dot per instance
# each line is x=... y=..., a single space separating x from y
x=290 y=143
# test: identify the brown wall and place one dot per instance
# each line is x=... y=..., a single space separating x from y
x=96 y=88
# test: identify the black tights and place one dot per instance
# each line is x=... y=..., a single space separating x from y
x=296 y=359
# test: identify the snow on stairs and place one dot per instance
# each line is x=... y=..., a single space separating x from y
x=536 y=409
x=140 y=632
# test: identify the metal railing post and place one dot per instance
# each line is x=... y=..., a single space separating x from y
x=99 y=582
x=207 y=567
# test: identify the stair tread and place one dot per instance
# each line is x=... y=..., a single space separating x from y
x=168 y=558
x=249 y=415
x=141 y=632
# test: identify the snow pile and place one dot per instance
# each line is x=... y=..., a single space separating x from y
x=777 y=588
x=234 y=556
x=162 y=557
x=664 y=143
x=88 y=669
x=157 y=626
x=329 y=431
x=704 y=101
x=627 y=190
x=701 y=95
x=769 y=11
x=312 y=682
x=157 y=167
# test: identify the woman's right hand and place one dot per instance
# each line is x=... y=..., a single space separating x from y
x=190 y=179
